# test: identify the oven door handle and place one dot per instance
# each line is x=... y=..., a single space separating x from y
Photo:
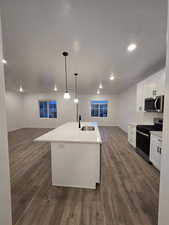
x=139 y=132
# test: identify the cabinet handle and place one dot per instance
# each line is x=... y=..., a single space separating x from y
x=157 y=148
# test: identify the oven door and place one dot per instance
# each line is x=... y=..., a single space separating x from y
x=143 y=142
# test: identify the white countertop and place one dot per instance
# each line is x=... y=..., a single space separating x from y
x=70 y=133
x=142 y=123
x=157 y=133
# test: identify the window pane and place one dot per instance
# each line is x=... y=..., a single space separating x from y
x=101 y=112
x=92 y=106
x=104 y=105
x=105 y=113
x=96 y=113
x=52 y=109
x=99 y=108
x=96 y=106
x=92 y=112
x=43 y=109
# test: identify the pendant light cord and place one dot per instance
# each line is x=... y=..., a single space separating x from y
x=75 y=86
x=66 y=74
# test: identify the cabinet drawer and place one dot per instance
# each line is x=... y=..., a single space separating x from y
x=155 y=151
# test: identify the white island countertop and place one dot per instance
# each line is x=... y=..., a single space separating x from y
x=70 y=133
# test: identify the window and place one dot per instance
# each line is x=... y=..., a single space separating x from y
x=48 y=109
x=99 y=108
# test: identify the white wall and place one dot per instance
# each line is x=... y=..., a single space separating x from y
x=66 y=110
x=15 y=114
x=23 y=110
x=5 y=198
x=127 y=108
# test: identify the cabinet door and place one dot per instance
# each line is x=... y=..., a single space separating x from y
x=153 y=144
x=159 y=151
x=132 y=135
x=150 y=87
x=155 y=85
x=161 y=83
x=158 y=158
x=129 y=133
x=140 y=97
x=155 y=151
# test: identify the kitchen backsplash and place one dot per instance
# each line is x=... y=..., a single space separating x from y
x=146 y=117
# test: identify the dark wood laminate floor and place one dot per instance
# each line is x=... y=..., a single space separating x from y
x=128 y=194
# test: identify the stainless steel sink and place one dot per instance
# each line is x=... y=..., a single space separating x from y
x=88 y=128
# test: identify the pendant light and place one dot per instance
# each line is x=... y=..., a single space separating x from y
x=100 y=86
x=76 y=100
x=98 y=92
x=20 y=89
x=66 y=95
x=55 y=88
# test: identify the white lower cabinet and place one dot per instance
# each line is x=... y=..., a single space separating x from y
x=155 y=151
x=132 y=134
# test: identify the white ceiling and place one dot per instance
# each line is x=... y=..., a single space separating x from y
x=96 y=34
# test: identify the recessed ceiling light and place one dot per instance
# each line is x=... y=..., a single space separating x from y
x=131 y=47
x=76 y=46
x=55 y=88
x=112 y=77
x=98 y=92
x=4 y=61
x=100 y=86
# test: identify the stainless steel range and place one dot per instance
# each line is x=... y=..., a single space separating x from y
x=143 y=137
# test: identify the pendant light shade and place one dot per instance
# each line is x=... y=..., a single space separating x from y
x=55 y=88
x=66 y=95
x=100 y=86
x=76 y=100
x=21 y=89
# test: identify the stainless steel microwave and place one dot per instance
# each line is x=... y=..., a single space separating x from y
x=154 y=104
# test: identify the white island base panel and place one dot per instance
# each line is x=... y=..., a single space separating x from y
x=75 y=164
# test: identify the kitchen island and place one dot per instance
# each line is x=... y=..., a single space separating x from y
x=75 y=154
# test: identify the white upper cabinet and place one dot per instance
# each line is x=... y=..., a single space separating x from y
x=140 y=97
x=155 y=85
x=161 y=84
x=150 y=88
